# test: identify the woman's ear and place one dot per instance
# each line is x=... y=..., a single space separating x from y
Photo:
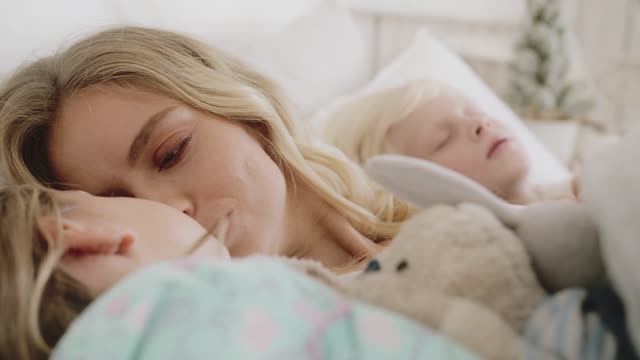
x=79 y=238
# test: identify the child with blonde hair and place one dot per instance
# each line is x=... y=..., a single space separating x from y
x=434 y=121
x=61 y=249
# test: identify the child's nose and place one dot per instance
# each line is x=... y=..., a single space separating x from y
x=479 y=126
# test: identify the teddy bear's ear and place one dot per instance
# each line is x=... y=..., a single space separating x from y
x=425 y=183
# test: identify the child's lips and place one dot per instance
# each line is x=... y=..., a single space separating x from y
x=496 y=146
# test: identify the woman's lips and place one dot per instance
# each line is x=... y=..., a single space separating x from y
x=496 y=146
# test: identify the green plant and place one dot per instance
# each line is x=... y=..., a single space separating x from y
x=540 y=82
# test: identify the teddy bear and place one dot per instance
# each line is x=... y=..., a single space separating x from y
x=475 y=273
x=553 y=232
x=587 y=243
x=458 y=270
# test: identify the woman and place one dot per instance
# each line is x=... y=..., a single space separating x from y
x=433 y=121
x=151 y=114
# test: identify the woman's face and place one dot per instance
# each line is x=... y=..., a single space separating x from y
x=450 y=130
x=114 y=142
x=108 y=238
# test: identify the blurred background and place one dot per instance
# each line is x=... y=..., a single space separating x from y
x=569 y=68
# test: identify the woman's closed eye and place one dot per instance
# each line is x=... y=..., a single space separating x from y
x=172 y=151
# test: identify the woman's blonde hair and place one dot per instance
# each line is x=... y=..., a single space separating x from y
x=28 y=274
x=359 y=126
x=189 y=71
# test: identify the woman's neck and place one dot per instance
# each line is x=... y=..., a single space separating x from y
x=316 y=230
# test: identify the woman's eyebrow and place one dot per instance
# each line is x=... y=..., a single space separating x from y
x=142 y=138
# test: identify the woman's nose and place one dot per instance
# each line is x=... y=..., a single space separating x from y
x=176 y=201
x=181 y=205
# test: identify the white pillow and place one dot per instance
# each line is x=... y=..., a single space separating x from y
x=315 y=59
x=426 y=57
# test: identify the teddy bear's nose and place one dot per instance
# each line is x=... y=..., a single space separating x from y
x=372 y=266
x=402 y=266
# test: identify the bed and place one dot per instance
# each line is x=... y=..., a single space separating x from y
x=322 y=55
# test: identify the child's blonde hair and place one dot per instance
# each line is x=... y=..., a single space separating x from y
x=28 y=274
x=186 y=70
x=359 y=126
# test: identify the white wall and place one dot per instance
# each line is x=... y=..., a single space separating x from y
x=487 y=11
x=609 y=32
x=33 y=28
x=484 y=32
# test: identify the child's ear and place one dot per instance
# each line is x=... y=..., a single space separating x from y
x=82 y=238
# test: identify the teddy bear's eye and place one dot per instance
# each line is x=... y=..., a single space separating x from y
x=402 y=266
x=373 y=266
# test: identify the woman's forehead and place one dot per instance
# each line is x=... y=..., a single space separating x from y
x=93 y=132
x=91 y=103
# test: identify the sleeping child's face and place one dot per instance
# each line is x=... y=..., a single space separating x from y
x=108 y=238
x=449 y=129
